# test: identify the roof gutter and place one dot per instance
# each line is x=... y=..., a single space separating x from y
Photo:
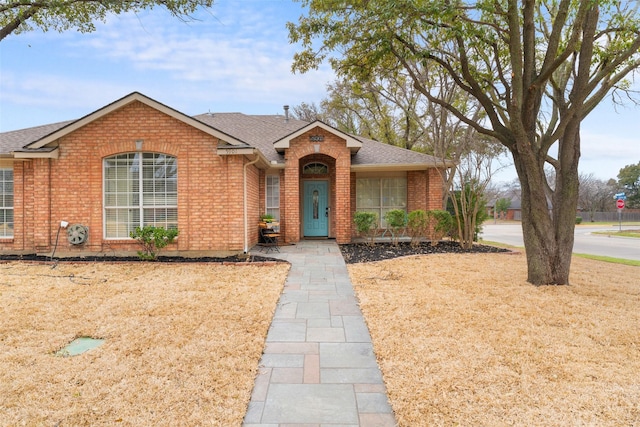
x=379 y=167
x=244 y=151
x=37 y=154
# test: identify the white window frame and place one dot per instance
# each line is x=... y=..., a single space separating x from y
x=6 y=203
x=388 y=196
x=315 y=168
x=132 y=199
x=272 y=196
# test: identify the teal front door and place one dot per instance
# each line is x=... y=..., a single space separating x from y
x=316 y=209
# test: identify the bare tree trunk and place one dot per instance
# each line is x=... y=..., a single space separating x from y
x=548 y=223
x=537 y=226
x=565 y=200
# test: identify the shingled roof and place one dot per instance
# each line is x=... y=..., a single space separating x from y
x=261 y=131
x=16 y=140
x=257 y=131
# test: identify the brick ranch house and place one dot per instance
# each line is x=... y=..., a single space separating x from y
x=139 y=162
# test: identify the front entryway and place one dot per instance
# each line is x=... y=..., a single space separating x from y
x=316 y=209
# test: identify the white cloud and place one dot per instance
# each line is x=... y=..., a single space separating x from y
x=606 y=146
x=232 y=59
x=604 y=154
x=38 y=89
x=255 y=65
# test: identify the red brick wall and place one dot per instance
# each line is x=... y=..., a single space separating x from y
x=417 y=190
x=210 y=187
x=290 y=202
x=23 y=206
x=434 y=189
x=424 y=191
x=42 y=206
x=253 y=205
x=333 y=151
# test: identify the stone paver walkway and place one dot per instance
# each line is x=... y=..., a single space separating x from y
x=318 y=367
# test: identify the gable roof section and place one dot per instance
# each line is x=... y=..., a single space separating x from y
x=41 y=143
x=352 y=143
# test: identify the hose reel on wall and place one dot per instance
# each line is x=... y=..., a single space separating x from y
x=77 y=234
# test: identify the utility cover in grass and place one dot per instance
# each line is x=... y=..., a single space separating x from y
x=79 y=346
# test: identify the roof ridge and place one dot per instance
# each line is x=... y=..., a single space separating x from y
x=259 y=117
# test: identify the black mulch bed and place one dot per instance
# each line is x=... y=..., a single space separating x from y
x=352 y=253
x=360 y=252
x=109 y=258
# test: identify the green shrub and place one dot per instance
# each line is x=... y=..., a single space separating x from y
x=417 y=223
x=440 y=224
x=578 y=220
x=366 y=223
x=152 y=239
x=396 y=220
x=469 y=212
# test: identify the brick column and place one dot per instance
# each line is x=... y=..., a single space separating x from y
x=42 y=205
x=291 y=201
x=343 y=199
x=434 y=189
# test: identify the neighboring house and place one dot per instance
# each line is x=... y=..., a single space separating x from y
x=139 y=162
x=514 y=211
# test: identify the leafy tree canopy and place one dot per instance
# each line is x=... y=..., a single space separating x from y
x=629 y=180
x=502 y=205
x=17 y=16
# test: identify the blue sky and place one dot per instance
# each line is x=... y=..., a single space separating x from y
x=236 y=57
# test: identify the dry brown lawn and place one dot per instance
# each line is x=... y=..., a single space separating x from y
x=461 y=340
x=465 y=340
x=182 y=342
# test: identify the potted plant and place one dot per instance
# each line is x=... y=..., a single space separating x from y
x=267 y=221
x=266 y=218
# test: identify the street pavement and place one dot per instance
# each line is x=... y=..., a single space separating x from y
x=586 y=241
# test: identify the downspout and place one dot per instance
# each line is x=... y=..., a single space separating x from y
x=49 y=197
x=244 y=197
x=22 y=210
